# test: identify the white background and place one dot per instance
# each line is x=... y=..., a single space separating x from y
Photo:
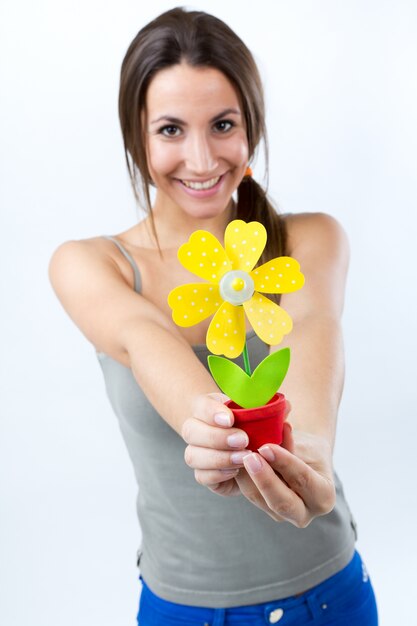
x=341 y=87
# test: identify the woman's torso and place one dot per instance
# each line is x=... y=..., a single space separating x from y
x=199 y=548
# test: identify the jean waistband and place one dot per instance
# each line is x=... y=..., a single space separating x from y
x=349 y=577
x=315 y=601
x=308 y=604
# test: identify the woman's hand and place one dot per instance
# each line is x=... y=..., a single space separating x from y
x=215 y=450
x=292 y=482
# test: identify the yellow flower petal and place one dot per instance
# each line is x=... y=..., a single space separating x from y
x=193 y=302
x=244 y=243
x=269 y=321
x=204 y=256
x=226 y=333
x=281 y=275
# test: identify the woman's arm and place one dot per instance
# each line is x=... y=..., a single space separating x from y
x=314 y=382
x=123 y=324
x=295 y=482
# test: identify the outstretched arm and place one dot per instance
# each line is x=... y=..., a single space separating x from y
x=126 y=326
x=295 y=482
x=314 y=382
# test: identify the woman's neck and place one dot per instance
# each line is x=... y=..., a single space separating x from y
x=174 y=228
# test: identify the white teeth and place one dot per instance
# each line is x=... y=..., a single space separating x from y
x=199 y=186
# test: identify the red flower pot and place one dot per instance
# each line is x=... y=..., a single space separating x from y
x=262 y=424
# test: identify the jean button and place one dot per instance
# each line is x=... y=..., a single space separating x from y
x=275 y=616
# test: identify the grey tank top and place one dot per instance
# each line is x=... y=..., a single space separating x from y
x=202 y=549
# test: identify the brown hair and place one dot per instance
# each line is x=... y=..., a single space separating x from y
x=201 y=40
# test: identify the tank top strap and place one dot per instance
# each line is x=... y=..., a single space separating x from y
x=138 y=280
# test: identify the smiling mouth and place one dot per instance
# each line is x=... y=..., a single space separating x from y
x=199 y=186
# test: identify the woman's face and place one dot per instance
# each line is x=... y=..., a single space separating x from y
x=197 y=148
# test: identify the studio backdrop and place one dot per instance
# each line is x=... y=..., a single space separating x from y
x=341 y=90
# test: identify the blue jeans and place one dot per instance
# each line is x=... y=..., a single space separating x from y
x=345 y=599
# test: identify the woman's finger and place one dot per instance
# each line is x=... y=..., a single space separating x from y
x=249 y=489
x=287 y=437
x=280 y=498
x=287 y=408
x=198 y=457
x=210 y=408
x=229 y=488
x=316 y=490
x=209 y=478
x=200 y=433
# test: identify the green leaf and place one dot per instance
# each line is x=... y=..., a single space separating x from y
x=250 y=391
x=271 y=372
x=231 y=379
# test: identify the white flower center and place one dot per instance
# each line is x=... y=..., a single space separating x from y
x=236 y=287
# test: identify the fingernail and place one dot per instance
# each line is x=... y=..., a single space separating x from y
x=252 y=463
x=237 y=457
x=237 y=441
x=267 y=453
x=223 y=419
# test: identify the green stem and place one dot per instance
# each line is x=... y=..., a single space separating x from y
x=246 y=360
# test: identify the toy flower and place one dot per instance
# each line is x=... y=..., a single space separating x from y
x=234 y=288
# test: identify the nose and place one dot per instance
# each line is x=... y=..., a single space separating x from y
x=200 y=155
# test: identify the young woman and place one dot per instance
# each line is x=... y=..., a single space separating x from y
x=248 y=537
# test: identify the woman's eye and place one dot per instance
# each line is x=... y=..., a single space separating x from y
x=223 y=126
x=170 y=131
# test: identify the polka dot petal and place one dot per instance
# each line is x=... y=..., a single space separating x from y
x=281 y=275
x=269 y=321
x=193 y=302
x=244 y=243
x=204 y=256
x=226 y=333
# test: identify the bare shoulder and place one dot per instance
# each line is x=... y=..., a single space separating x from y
x=319 y=243
x=76 y=257
x=315 y=230
x=96 y=290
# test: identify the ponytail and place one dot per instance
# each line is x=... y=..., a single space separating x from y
x=253 y=205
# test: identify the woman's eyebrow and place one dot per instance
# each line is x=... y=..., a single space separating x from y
x=177 y=120
x=224 y=113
